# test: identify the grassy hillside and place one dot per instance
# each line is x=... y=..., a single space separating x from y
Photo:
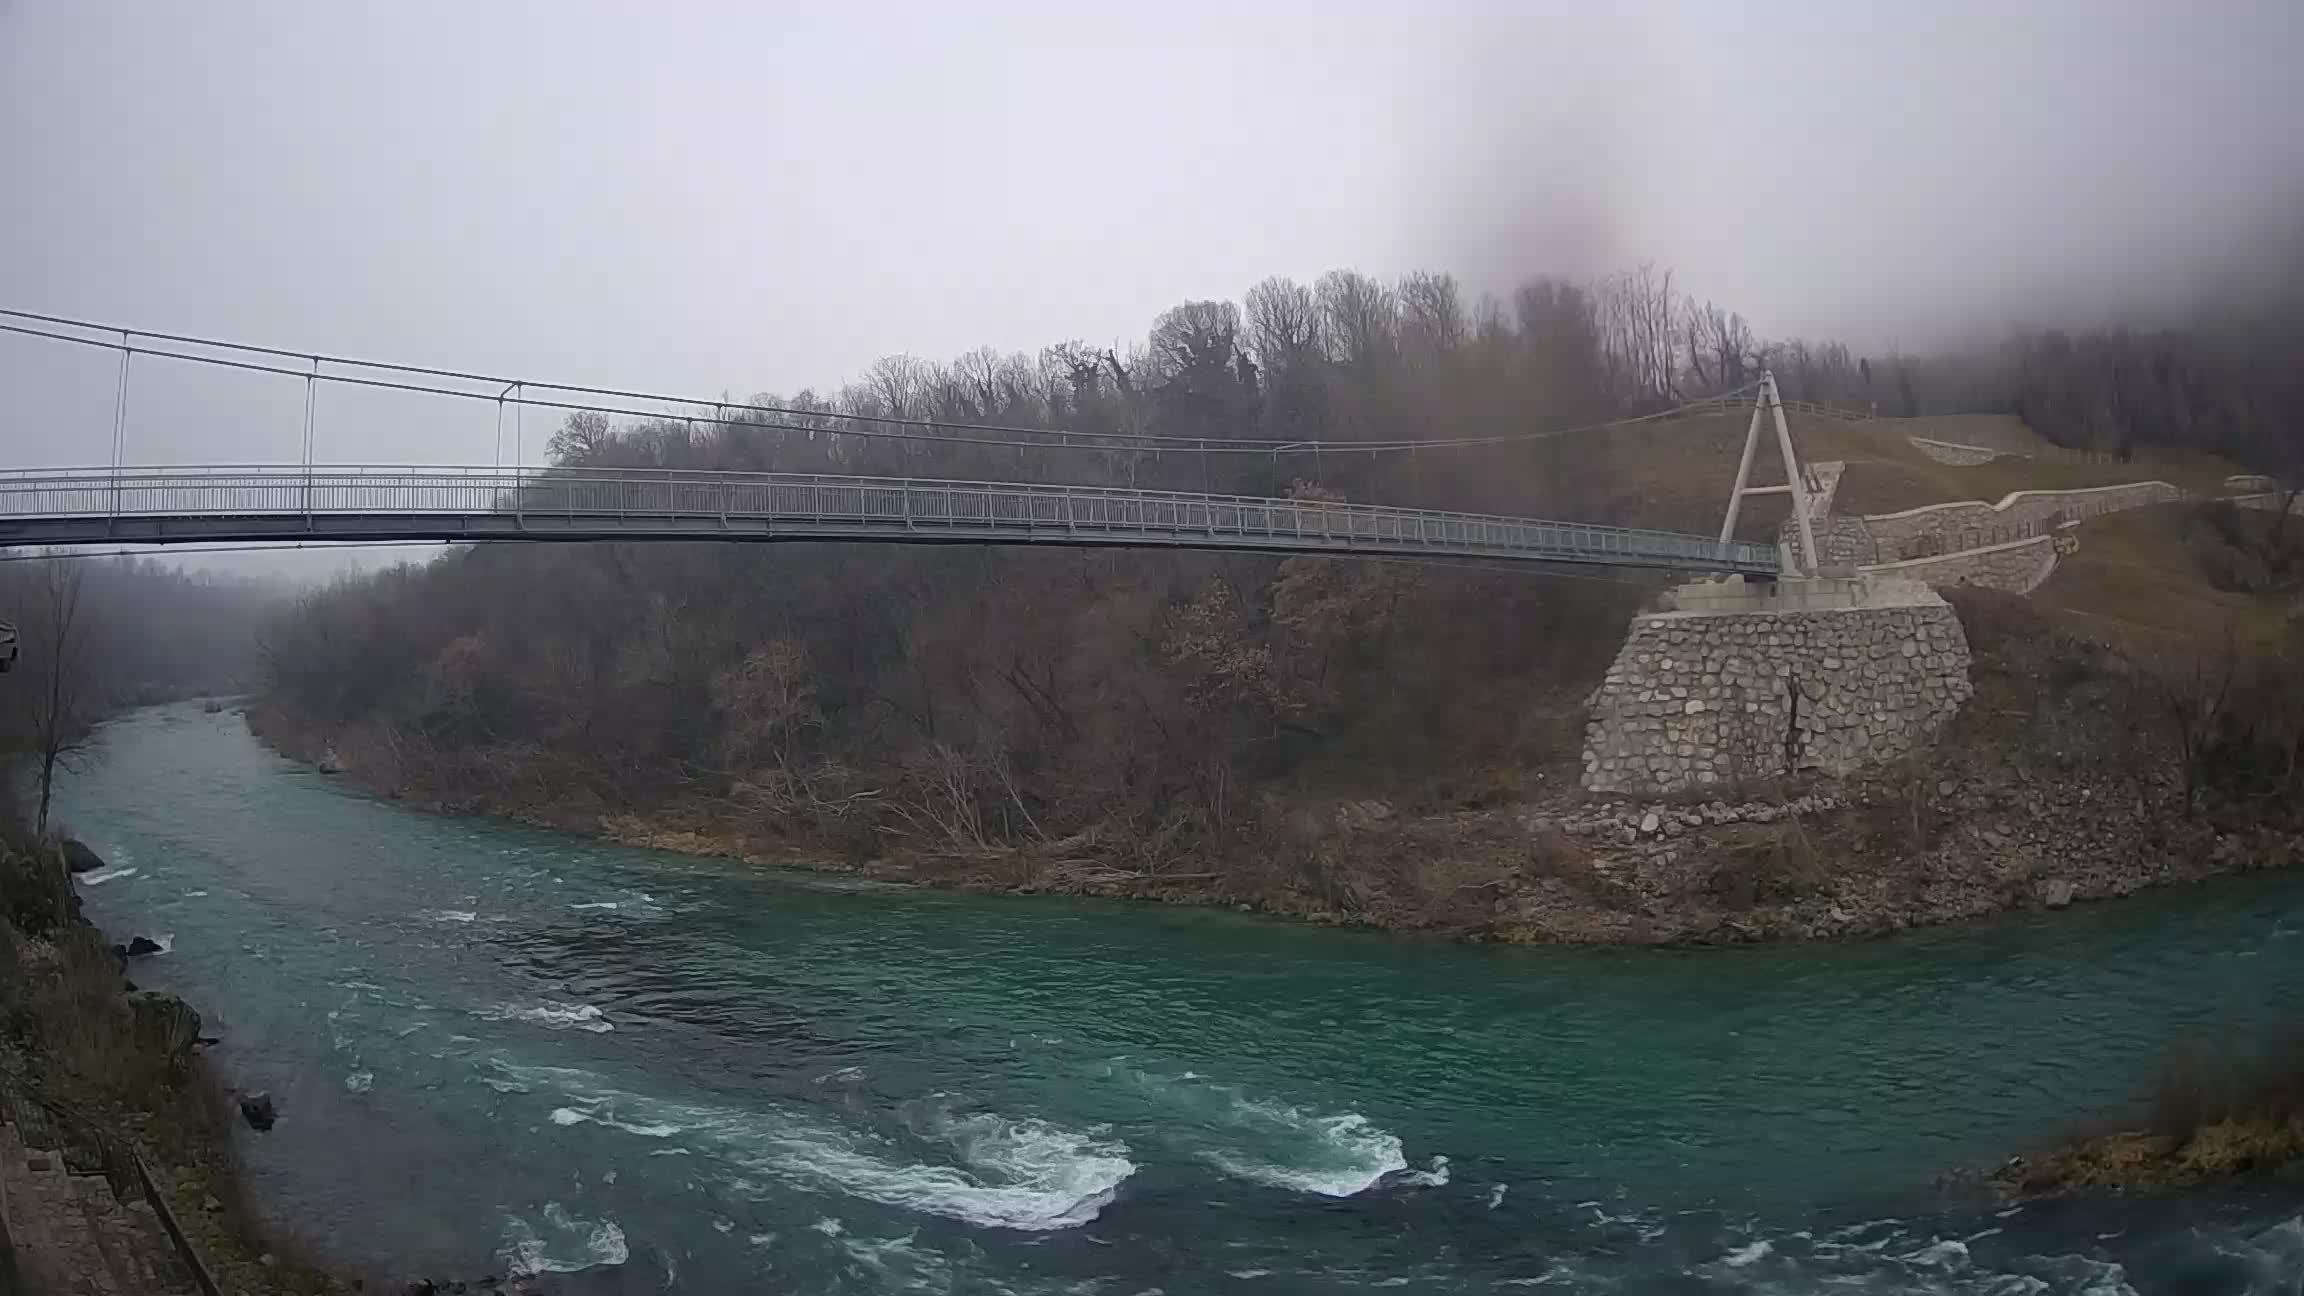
x=1998 y=431
x=1676 y=474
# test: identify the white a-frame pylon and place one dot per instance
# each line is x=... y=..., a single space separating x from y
x=1767 y=404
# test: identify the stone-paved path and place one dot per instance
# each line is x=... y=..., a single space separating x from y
x=73 y=1237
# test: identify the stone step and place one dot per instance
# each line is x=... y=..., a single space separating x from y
x=75 y=1237
x=99 y=1215
x=61 y=1254
x=158 y=1255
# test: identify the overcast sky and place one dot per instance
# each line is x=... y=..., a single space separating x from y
x=752 y=197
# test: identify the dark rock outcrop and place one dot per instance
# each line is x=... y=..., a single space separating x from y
x=80 y=859
x=164 y=1024
x=139 y=946
x=259 y=1110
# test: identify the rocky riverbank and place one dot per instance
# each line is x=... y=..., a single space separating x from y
x=103 y=1060
x=2143 y=1161
x=2212 y=1116
x=2060 y=782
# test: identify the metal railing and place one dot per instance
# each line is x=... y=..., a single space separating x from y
x=372 y=502
x=1742 y=404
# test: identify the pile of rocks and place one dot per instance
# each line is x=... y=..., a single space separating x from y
x=1631 y=822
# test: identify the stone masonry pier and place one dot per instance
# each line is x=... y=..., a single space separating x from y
x=1737 y=680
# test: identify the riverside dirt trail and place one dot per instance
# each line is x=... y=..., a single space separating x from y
x=496 y=1047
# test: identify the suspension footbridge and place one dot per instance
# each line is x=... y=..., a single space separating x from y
x=121 y=503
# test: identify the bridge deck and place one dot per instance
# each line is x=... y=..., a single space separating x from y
x=291 y=503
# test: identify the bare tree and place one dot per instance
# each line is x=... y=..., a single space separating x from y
x=1720 y=346
x=1639 y=332
x=1196 y=339
x=894 y=386
x=767 y=701
x=2195 y=685
x=581 y=439
x=1360 y=318
x=61 y=698
x=1283 y=325
x=1432 y=317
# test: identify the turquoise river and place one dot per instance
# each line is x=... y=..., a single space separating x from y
x=496 y=1048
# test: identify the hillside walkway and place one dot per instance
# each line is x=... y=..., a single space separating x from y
x=68 y=1234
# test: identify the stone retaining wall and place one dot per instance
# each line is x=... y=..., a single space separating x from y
x=1844 y=540
x=1945 y=528
x=1959 y=456
x=1696 y=699
x=2018 y=566
x=2270 y=503
x=1823 y=480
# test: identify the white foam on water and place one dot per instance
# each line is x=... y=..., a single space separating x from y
x=1328 y=1154
x=761 y=1239
x=2087 y=1276
x=568 y=1245
x=601 y=1113
x=359 y=1082
x=897 y=1264
x=1752 y=1253
x=829 y=1227
x=1496 y=1195
x=1335 y=1156
x=103 y=875
x=1433 y=1176
x=1048 y=1176
x=1024 y=1173
x=552 y=1016
x=1948 y=1254
x=448 y=915
x=195 y=895
x=608 y=905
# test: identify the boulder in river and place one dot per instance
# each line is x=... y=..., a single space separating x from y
x=80 y=859
x=259 y=1110
x=139 y=946
x=2056 y=893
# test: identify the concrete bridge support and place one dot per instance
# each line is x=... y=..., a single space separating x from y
x=1738 y=680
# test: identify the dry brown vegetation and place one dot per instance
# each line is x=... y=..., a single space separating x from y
x=2211 y=1117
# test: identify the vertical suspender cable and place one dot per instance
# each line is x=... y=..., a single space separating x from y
x=496 y=462
x=311 y=393
x=120 y=421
